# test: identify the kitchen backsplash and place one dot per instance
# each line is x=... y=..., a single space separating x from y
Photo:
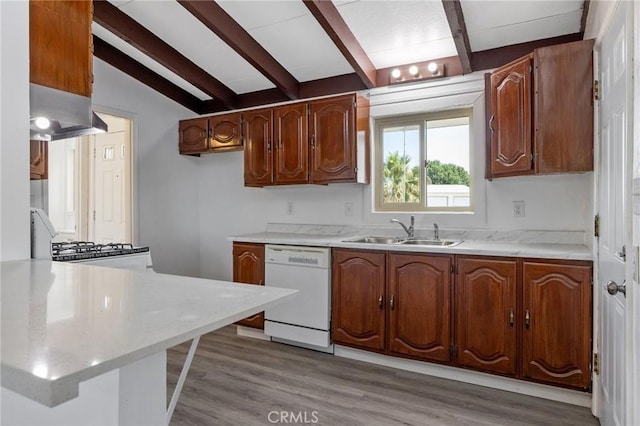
x=514 y=236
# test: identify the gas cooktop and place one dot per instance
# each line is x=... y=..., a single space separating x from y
x=78 y=250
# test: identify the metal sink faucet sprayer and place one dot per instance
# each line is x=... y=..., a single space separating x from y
x=436 y=232
x=409 y=230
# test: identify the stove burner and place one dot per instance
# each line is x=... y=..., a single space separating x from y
x=78 y=250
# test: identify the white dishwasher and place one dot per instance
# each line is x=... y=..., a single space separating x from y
x=305 y=319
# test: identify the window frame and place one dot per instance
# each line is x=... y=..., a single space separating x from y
x=420 y=119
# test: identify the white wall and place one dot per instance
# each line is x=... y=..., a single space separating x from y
x=14 y=130
x=165 y=183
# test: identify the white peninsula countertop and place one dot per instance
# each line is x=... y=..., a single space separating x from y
x=65 y=323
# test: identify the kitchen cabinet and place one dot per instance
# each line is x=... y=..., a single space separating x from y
x=487 y=315
x=60 y=45
x=217 y=133
x=257 y=130
x=317 y=142
x=540 y=112
x=419 y=303
x=557 y=323
x=358 y=298
x=248 y=268
x=290 y=128
x=39 y=160
x=337 y=126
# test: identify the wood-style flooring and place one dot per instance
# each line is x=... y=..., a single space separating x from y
x=242 y=381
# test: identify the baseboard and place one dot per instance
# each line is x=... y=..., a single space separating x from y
x=467 y=376
x=254 y=333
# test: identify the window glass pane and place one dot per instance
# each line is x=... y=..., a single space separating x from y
x=401 y=164
x=448 y=177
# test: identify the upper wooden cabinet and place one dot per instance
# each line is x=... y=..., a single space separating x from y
x=290 y=129
x=510 y=120
x=248 y=268
x=210 y=134
x=39 y=160
x=541 y=104
x=557 y=323
x=257 y=130
x=60 y=45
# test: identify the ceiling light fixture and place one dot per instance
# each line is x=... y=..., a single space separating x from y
x=42 y=122
x=396 y=73
x=413 y=70
x=432 y=67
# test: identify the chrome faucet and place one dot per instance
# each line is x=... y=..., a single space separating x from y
x=436 y=232
x=409 y=230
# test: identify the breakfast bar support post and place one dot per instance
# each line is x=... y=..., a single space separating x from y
x=182 y=378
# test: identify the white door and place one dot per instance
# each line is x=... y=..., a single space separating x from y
x=111 y=188
x=614 y=210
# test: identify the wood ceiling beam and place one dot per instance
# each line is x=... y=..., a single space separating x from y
x=585 y=13
x=133 y=68
x=224 y=26
x=144 y=40
x=455 y=17
x=331 y=21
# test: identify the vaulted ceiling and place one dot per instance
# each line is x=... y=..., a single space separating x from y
x=214 y=56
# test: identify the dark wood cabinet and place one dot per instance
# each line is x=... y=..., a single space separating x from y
x=556 y=84
x=419 y=303
x=487 y=314
x=510 y=120
x=557 y=323
x=358 y=298
x=257 y=130
x=39 y=160
x=248 y=268
x=335 y=125
x=60 y=45
x=210 y=134
x=290 y=130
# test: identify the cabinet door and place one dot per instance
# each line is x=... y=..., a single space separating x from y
x=510 y=121
x=486 y=306
x=193 y=138
x=292 y=153
x=333 y=145
x=248 y=268
x=557 y=323
x=564 y=108
x=358 y=299
x=419 y=300
x=60 y=45
x=225 y=132
x=257 y=131
x=39 y=161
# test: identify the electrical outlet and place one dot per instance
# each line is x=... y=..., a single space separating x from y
x=518 y=209
x=348 y=209
x=290 y=208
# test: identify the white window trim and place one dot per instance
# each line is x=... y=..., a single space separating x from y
x=437 y=96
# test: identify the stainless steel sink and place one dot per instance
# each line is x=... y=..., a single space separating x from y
x=376 y=240
x=445 y=243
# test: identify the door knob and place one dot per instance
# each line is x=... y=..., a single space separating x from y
x=614 y=288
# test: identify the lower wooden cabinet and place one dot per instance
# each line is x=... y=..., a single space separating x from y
x=557 y=323
x=419 y=292
x=248 y=268
x=487 y=314
x=358 y=298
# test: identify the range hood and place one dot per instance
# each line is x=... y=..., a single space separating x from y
x=69 y=114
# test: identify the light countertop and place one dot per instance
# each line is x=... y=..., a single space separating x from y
x=64 y=323
x=471 y=247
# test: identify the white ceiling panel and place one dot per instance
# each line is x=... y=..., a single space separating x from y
x=254 y=14
x=134 y=53
x=399 y=32
x=480 y=15
x=303 y=48
x=177 y=27
x=526 y=31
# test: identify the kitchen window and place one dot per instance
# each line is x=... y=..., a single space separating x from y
x=423 y=162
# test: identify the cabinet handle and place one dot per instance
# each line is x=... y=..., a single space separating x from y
x=490 y=122
x=511 y=318
x=268 y=146
x=380 y=301
x=204 y=134
x=260 y=283
x=527 y=319
x=391 y=302
x=313 y=141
